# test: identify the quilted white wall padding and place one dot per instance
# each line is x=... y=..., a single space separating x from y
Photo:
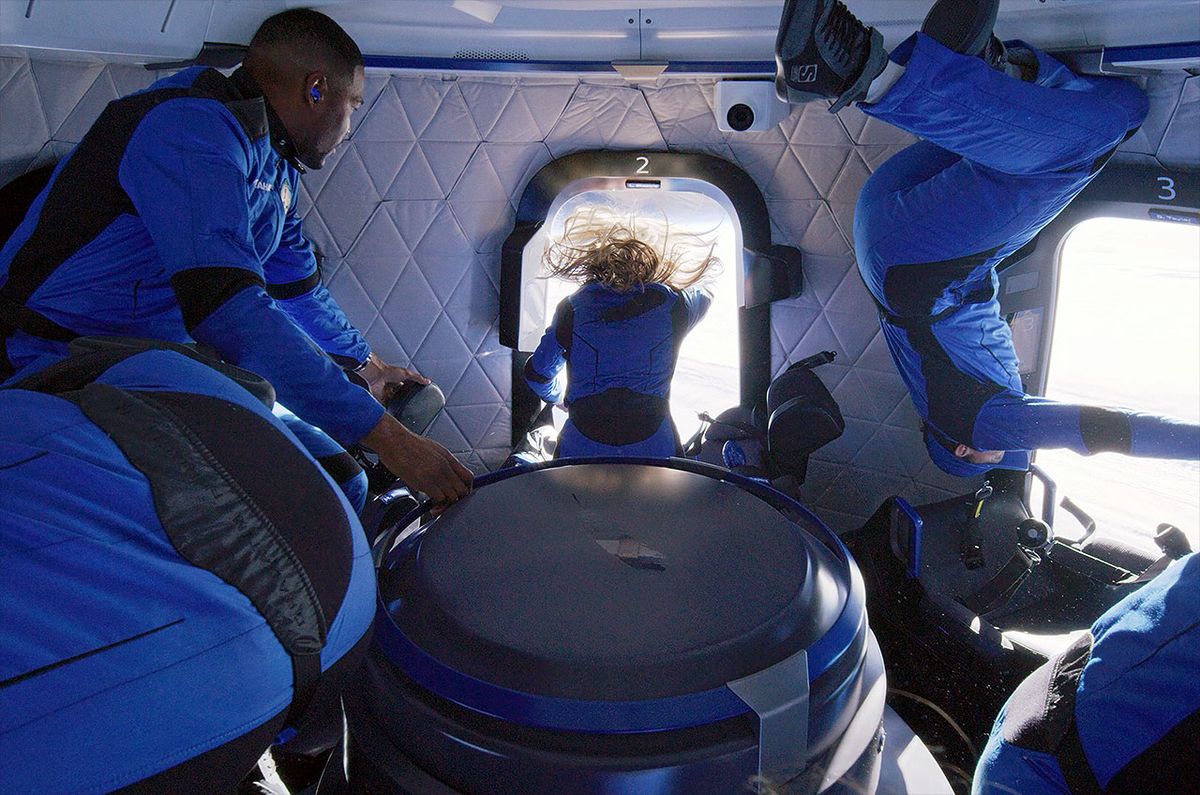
x=810 y=224
x=70 y=84
x=683 y=112
x=514 y=110
x=792 y=322
x=485 y=198
x=871 y=395
x=836 y=174
x=315 y=179
x=605 y=117
x=776 y=168
x=1163 y=92
x=384 y=160
x=864 y=129
x=445 y=353
x=373 y=87
x=426 y=109
x=346 y=200
x=812 y=124
x=23 y=129
x=381 y=254
x=385 y=256
x=314 y=226
x=52 y=152
x=444 y=161
x=115 y=80
x=1180 y=144
x=405 y=320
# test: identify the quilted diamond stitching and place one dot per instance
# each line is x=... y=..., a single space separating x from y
x=384 y=161
x=516 y=110
x=60 y=87
x=347 y=199
x=379 y=255
x=22 y=135
x=485 y=198
x=605 y=117
x=102 y=91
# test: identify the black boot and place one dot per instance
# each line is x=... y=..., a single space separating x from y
x=964 y=26
x=995 y=54
x=824 y=52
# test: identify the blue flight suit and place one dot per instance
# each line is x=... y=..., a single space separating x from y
x=175 y=219
x=999 y=160
x=619 y=352
x=178 y=577
x=1123 y=716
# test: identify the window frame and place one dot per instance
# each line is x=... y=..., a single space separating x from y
x=769 y=272
x=1029 y=279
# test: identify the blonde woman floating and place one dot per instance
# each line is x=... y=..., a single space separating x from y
x=618 y=336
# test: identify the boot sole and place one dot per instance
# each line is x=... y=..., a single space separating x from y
x=964 y=26
x=798 y=15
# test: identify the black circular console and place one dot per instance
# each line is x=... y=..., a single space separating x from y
x=618 y=626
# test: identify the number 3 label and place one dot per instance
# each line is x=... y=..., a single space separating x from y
x=1167 y=185
x=644 y=165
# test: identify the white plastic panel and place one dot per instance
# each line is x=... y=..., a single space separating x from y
x=562 y=30
x=507 y=31
x=137 y=29
x=728 y=32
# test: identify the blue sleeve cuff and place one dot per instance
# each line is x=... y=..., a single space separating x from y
x=324 y=321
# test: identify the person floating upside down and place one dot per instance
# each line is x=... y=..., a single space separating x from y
x=1008 y=137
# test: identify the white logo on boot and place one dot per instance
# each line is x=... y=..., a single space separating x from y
x=804 y=73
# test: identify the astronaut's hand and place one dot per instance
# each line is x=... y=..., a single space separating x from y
x=384 y=379
x=423 y=464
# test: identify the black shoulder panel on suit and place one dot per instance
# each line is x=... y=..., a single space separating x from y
x=87 y=196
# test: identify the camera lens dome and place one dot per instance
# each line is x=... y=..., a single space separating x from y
x=740 y=117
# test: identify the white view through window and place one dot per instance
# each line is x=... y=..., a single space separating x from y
x=1127 y=333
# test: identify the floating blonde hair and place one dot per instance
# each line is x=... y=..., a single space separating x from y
x=593 y=248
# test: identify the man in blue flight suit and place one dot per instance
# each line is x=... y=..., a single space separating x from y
x=1010 y=136
x=175 y=219
x=182 y=584
x=1119 y=711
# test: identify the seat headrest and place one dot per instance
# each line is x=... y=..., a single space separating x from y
x=802 y=416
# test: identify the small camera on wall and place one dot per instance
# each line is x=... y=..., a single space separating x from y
x=748 y=105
